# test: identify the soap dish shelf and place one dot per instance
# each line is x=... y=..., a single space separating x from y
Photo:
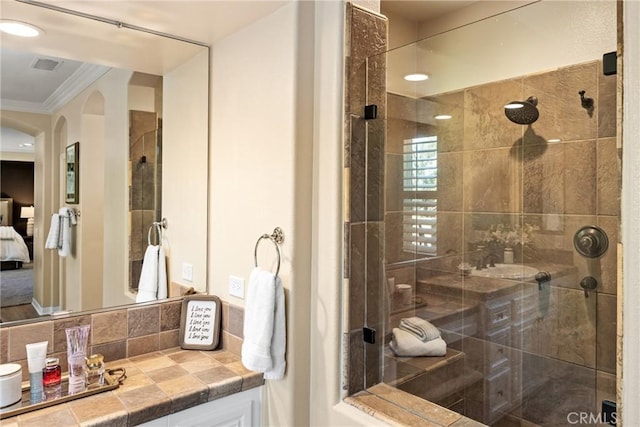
x=112 y=380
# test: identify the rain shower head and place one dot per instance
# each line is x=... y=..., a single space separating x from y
x=522 y=112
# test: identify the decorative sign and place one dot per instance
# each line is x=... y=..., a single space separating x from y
x=200 y=322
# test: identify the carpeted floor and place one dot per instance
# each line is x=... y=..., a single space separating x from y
x=16 y=286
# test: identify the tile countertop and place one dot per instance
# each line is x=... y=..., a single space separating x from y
x=157 y=384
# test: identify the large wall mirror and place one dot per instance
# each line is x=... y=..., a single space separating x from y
x=135 y=107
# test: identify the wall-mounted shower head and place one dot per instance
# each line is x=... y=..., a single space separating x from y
x=522 y=112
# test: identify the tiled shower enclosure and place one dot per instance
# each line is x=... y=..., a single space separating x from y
x=434 y=203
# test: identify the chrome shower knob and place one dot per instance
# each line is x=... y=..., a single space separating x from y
x=591 y=241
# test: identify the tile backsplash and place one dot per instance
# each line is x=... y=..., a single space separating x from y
x=117 y=334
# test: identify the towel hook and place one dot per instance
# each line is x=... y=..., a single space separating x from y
x=277 y=237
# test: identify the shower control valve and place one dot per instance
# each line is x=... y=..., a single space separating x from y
x=588 y=283
x=591 y=241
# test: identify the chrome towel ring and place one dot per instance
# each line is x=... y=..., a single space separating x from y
x=277 y=237
x=158 y=226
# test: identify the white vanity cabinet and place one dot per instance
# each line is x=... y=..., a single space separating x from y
x=237 y=410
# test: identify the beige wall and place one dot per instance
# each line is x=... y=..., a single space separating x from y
x=260 y=153
x=184 y=168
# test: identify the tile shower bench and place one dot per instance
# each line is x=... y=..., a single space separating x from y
x=159 y=386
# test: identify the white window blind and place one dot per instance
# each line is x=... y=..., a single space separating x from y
x=420 y=195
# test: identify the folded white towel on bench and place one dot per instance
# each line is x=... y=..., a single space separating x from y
x=422 y=329
x=406 y=344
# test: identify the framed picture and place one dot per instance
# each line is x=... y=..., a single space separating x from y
x=200 y=322
x=72 y=163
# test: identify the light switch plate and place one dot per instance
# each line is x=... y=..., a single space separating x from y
x=187 y=272
x=236 y=286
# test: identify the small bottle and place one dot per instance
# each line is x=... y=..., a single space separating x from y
x=95 y=370
x=508 y=256
x=52 y=372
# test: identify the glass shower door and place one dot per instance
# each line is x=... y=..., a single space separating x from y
x=491 y=168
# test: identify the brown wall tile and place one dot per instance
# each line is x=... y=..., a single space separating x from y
x=608 y=177
x=561 y=113
x=4 y=345
x=111 y=351
x=606 y=333
x=449 y=183
x=60 y=326
x=484 y=108
x=170 y=315
x=109 y=326
x=492 y=181
x=143 y=321
x=450 y=132
x=19 y=336
x=142 y=345
x=168 y=339
x=236 y=320
x=607 y=98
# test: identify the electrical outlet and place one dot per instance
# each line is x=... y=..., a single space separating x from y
x=187 y=272
x=236 y=286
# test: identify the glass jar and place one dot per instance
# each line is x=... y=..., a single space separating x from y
x=52 y=372
x=508 y=255
x=95 y=370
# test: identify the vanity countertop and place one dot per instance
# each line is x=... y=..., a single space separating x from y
x=485 y=288
x=157 y=384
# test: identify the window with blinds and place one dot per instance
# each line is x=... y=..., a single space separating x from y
x=420 y=195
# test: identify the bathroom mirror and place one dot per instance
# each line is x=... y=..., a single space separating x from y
x=99 y=272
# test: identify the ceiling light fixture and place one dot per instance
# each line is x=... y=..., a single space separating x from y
x=442 y=117
x=20 y=29
x=417 y=77
x=553 y=140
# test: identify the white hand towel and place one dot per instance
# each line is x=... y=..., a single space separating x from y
x=148 y=284
x=405 y=344
x=66 y=218
x=264 y=344
x=54 y=233
x=422 y=329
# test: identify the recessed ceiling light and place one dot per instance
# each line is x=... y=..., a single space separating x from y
x=418 y=77
x=442 y=117
x=20 y=29
x=26 y=144
x=514 y=105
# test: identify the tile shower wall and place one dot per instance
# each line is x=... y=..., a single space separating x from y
x=492 y=171
x=364 y=171
x=145 y=189
x=117 y=334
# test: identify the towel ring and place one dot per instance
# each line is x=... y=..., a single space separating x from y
x=277 y=237
x=158 y=226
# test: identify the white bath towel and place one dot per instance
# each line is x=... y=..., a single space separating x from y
x=59 y=236
x=264 y=345
x=405 y=344
x=422 y=329
x=153 y=278
x=54 y=233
